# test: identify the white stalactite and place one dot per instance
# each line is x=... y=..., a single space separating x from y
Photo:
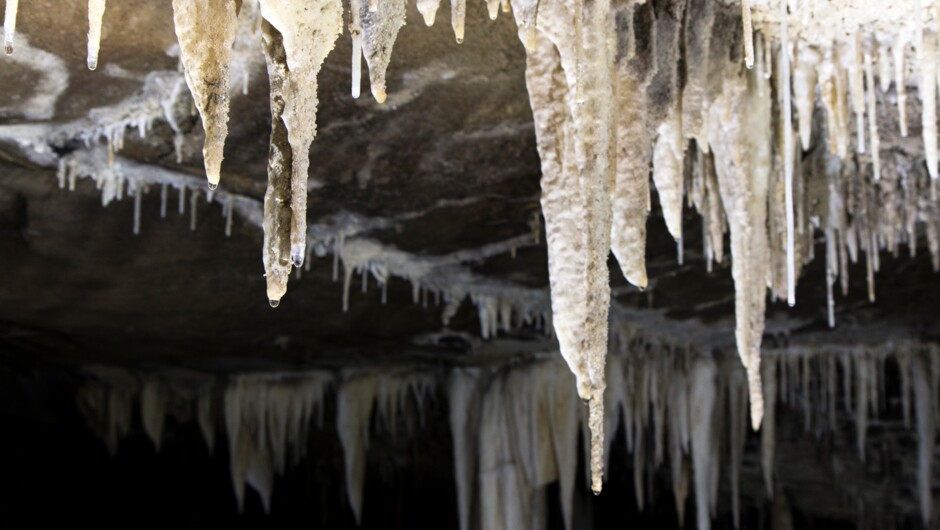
x=668 y=172
x=95 y=14
x=9 y=25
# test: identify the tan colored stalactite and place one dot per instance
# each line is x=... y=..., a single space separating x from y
x=668 y=171
x=277 y=199
x=833 y=82
x=630 y=194
x=575 y=141
x=713 y=212
x=379 y=31
x=428 y=10
x=748 y=36
x=700 y=19
x=857 y=91
x=804 y=90
x=458 y=16
x=95 y=14
x=309 y=31
x=871 y=100
x=740 y=139
x=206 y=33
x=786 y=117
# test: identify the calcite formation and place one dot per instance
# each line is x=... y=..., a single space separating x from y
x=515 y=427
x=708 y=98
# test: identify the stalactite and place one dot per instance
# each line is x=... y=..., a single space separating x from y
x=926 y=435
x=748 y=34
x=152 y=413
x=804 y=90
x=630 y=191
x=787 y=153
x=355 y=402
x=463 y=401
x=703 y=400
x=576 y=173
x=428 y=10
x=9 y=25
x=768 y=434
x=308 y=33
x=277 y=198
x=95 y=14
x=206 y=33
x=379 y=31
x=872 y=117
x=927 y=91
x=458 y=16
x=739 y=135
x=668 y=156
x=900 y=81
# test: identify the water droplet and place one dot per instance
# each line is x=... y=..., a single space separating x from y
x=212 y=186
x=459 y=40
x=297 y=257
x=274 y=303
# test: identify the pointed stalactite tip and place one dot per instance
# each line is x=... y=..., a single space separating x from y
x=379 y=95
x=757 y=412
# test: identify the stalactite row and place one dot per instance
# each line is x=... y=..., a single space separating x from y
x=517 y=430
x=736 y=122
x=615 y=88
x=438 y=280
x=852 y=383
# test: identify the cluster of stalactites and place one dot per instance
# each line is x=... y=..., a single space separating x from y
x=516 y=431
x=95 y=15
x=746 y=176
x=616 y=89
x=825 y=386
